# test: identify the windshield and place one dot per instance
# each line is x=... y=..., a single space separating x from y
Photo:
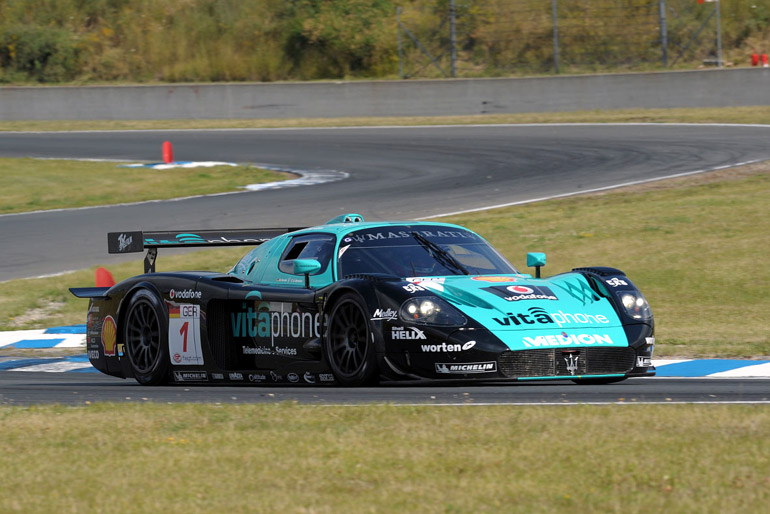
x=419 y=251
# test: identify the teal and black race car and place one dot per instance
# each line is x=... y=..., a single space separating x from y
x=353 y=303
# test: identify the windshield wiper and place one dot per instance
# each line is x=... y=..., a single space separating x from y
x=441 y=255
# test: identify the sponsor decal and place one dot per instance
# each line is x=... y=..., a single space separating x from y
x=109 y=336
x=255 y=377
x=521 y=293
x=274 y=320
x=191 y=376
x=326 y=377
x=184 y=294
x=443 y=347
x=402 y=234
x=293 y=377
x=466 y=367
x=308 y=377
x=565 y=339
x=384 y=314
x=275 y=377
x=538 y=315
x=259 y=350
x=495 y=279
x=404 y=333
x=235 y=376
x=189 y=238
x=124 y=241
x=432 y=280
x=643 y=362
x=434 y=283
x=615 y=282
x=413 y=288
x=93 y=354
x=218 y=376
x=184 y=334
x=571 y=359
x=650 y=340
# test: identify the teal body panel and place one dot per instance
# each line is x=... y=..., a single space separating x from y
x=526 y=313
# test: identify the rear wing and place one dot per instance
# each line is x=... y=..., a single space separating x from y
x=133 y=242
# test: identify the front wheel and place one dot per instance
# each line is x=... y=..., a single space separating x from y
x=146 y=338
x=349 y=343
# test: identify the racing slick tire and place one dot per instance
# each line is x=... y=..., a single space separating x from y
x=145 y=334
x=598 y=381
x=349 y=343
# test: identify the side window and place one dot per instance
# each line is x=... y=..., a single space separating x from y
x=313 y=246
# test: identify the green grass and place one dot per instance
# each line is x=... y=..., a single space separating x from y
x=752 y=115
x=36 y=184
x=697 y=247
x=464 y=459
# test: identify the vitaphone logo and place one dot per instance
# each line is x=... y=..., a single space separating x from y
x=264 y=322
x=539 y=315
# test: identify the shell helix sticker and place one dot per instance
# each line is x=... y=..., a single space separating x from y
x=109 y=335
x=184 y=334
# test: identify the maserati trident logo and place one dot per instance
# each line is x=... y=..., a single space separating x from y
x=124 y=241
x=571 y=358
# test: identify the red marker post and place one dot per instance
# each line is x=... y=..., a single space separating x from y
x=168 y=152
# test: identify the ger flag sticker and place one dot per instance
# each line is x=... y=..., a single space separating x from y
x=519 y=293
x=184 y=334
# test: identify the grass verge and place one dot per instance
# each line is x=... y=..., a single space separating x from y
x=37 y=184
x=696 y=246
x=290 y=458
x=750 y=115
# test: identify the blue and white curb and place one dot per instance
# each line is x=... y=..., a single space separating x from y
x=75 y=337
x=713 y=368
x=74 y=364
x=57 y=337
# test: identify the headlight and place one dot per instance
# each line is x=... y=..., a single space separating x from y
x=430 y=310
x=634 y=304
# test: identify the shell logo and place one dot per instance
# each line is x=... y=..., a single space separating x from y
x=494 y=279
x=109 y=335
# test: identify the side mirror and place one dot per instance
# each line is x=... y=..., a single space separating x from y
x=306 y=267
x=536 y=259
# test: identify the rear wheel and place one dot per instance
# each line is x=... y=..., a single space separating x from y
x=146 y=338
x=349 y=343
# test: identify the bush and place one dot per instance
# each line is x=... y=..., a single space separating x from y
x=40 y=54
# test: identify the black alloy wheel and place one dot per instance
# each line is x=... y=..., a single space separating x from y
x=349 y=343
x=146 y=338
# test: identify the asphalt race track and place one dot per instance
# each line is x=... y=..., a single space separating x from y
x=395 y=173
x=24 y=388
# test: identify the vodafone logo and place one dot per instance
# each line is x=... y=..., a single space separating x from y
x=185 y=294
x=177 y=358
x=520 y=289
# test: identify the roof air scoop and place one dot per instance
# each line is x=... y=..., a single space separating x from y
x=346 y=218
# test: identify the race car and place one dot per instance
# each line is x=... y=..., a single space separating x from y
x=353 y=303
